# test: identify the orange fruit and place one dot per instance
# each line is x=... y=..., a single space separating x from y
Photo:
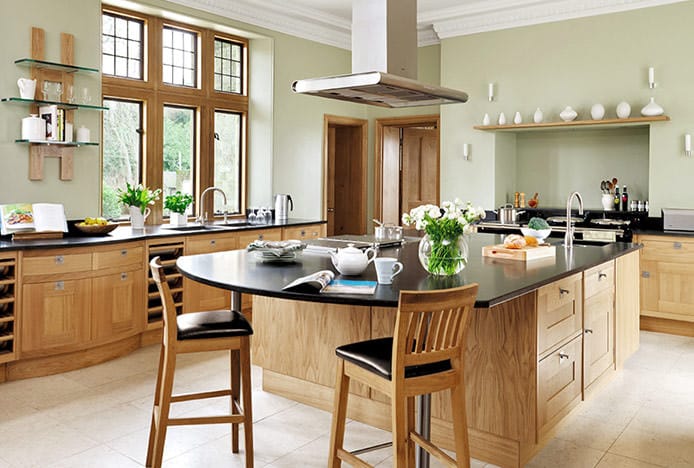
x=531 y=241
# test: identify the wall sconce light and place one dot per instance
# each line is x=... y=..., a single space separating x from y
x=466 y=151
x=490 y=92
x=687 y=145
x=651 y=77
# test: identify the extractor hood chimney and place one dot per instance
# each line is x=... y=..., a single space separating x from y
x=384 y=61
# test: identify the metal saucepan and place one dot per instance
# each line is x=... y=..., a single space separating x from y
x=508 y=214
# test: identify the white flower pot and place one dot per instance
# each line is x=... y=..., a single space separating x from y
x=178 y=219
x=137 y=218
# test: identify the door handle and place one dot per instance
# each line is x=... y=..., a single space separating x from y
x=563 y=355
x=331 y=210
x=589 y=331
x=563 y=291
x=601 y=276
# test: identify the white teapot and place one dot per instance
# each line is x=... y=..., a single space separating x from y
x=352 y=261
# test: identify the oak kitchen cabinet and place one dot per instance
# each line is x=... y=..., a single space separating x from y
x=598 y=321
x=79 y=296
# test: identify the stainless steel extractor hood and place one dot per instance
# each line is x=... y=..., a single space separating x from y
x=384 y=61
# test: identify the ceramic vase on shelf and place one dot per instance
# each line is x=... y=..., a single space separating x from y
x=443 y=258
x=652 y=109
x=623 y=110
x=137 y=217
x=597 y=112
x=538 y=116
x=517 y=119
x=568 y=114
x=486 y=120
x=502 y=119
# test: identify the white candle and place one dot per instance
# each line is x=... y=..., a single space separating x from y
x=491 y=91
x=688 y=143
x=466 y=151
x=651 y=77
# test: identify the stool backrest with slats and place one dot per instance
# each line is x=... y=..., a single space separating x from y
x=431 y=327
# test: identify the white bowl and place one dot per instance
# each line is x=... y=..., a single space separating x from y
x=540 y=235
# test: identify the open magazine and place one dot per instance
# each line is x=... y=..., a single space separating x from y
x=39 y=217
x=324 y=281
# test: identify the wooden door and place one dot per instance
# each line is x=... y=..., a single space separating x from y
x=117 y=304
x=56 y=316
x=345 y=175
x=420 y=168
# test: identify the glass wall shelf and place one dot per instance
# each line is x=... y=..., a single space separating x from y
x=27 y=62
x=55 y=142
x=62 y=105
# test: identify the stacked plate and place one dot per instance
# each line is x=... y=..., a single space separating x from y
x=276 y=251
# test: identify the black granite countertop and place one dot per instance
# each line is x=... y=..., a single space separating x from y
x=125 y=233
x=499 y=280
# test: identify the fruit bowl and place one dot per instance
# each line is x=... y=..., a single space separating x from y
x=96 y=229
x=540 y=235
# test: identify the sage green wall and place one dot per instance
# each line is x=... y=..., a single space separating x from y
x=578 y=63
x=80 y=195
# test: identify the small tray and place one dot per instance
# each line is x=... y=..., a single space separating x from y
x=524 y=254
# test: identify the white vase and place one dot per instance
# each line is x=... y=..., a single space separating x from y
x=652 y=109
x=607 y=201
x=517 y=118
x=623 y=110
x=538 y=116
x=486 y=120
x=502 y=119
x=178 y=219
x=597 y=112
x=137 y=218
x=568 y=114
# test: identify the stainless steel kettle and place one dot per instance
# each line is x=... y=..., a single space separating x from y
x=283 y=204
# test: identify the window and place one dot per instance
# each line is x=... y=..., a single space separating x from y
x=227 y=66
x=179 y=150
x=121 y=46
x=179 y=57
x=227 y=157
x=175 y=129
x=122 y=152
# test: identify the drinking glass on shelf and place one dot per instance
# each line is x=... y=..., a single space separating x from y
x=86 y=97
x=45 y=89
x=58 y=91
x=70 y=94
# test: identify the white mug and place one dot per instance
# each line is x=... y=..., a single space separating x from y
x=387 y=268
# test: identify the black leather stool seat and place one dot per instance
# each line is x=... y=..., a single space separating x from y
x=212 y=324
x=376 y=356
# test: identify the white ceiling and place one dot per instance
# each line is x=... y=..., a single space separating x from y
x=328 y=21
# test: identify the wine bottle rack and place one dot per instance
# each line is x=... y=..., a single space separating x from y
x=8 y=308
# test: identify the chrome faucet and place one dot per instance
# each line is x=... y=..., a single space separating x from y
x=569 y=237
x=202 y=214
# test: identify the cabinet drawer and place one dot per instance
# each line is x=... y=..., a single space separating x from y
x=60 y=263
x=302 y=232
x=559 y=382
x=208 y=244
x=269 y=235
x=558 y=312
x=598 y=279
x=120 y=257
x=675 y=250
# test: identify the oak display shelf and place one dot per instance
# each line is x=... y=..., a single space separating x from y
x=62 y=105
x=46 y=65
x=574 y=124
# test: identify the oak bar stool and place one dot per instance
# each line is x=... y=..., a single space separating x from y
x=425 y=355
x=192 y=333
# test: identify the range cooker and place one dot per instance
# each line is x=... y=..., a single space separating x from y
x=594 y=226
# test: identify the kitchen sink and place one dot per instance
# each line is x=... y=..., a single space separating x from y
x=232 y=224
x=196 y=227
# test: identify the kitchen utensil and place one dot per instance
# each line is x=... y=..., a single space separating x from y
x=614 y=181
x=283 y=205
x=508 y=214
x=393 y=232
x=532 y=203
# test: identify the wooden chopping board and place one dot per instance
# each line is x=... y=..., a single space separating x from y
x=524 y=254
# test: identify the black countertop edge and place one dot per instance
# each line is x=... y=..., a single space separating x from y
x=126 y=234
x=500 y=280
x=660 y=232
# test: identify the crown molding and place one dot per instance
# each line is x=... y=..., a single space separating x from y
x=469 y=18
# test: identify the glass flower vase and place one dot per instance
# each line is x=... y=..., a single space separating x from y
x=445 y=257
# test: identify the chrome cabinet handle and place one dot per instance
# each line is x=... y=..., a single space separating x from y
x=677 y=245
x=123 y=253
x=563 y=355
x=123 y=276
x=59 y=285
x=213 y=242
x=260 y=236
x=645 y=274
x=589 y=331
x=303 y=233
x=563 y=291
x=331 y=210
x=59 y=259
x=601 y=276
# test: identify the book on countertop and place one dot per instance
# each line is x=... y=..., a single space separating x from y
x=324 y=282
x=37 y=217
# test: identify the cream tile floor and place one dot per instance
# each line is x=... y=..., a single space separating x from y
x=99 y=417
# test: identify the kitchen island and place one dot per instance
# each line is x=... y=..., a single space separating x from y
x=544 y=335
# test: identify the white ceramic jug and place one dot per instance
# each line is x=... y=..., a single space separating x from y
x=137 y=218
x=27 y=88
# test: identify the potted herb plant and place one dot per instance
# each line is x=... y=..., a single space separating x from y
x=138 y=198
x=178 y=203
